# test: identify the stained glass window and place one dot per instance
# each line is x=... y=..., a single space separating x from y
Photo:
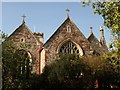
x=70 y=48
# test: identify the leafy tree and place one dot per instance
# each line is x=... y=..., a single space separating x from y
x=16 y=67
x=8 y=51
x=101 y=69
x=114 y=59
x=68 y=71
x=111 y=15
x=71 y=71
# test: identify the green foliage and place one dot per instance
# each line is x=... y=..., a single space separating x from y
x=8 y=51
x=110 y=13
x=114 y=58
x=69 y=66
x=13 y=59
x=101 y=69
x=3 y=35
x=71 y=71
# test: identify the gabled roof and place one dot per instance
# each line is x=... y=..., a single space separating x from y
x=95 y=44
x=67 y=20
x=92 y=37
x=21 y=27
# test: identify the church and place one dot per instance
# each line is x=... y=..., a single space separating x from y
x=66 y=39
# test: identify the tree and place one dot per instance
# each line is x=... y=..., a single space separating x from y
x=68 y=71
x=111 y=15
x=101 y=69
x=16 y=69
x=71 y=71
x=114 y=59
x=8 y=51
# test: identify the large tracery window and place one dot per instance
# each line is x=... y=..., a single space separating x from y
x=70 y=48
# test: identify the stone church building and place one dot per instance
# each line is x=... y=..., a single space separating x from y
x=66 y=39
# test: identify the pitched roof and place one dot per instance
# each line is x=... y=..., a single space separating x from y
x=92 y=37
x=21 y=27
x=68 y=19
x=95 y=44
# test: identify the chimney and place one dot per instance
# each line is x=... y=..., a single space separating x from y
x=39 y=36
x=102 y=39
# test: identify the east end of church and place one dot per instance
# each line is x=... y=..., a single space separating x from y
x=66 y=39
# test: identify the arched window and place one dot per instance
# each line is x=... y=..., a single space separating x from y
x=68 y=28
x=23 y=63
x=70 y=48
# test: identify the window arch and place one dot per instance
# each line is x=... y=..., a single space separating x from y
x=24 y=62
x=68 y=28
x=70 y=48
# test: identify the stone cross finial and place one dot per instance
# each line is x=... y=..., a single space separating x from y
x=90 y=29
x=67 y=10
x=23 y=18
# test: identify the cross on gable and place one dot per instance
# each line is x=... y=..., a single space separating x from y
x=23 y=18
x=67 y=10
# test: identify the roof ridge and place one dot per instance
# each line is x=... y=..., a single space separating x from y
x=21 y=26
x=92 y=34
x=31 y=33
x=16 y=29
x=67 y=19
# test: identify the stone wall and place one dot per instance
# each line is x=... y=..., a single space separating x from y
x=24 y=39
x=61 y=35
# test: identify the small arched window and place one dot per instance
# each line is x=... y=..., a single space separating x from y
x=68 y=28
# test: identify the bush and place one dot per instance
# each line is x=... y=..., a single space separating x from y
x=69 y=71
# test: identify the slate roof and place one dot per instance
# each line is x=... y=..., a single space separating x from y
x=95 y=44
x=68 y=19
x=21 y=27
x=62 y=25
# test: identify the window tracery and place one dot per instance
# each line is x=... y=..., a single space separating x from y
x=24 y=63
x=70 y=48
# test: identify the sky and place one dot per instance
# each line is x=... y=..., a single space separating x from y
x=46 y=17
